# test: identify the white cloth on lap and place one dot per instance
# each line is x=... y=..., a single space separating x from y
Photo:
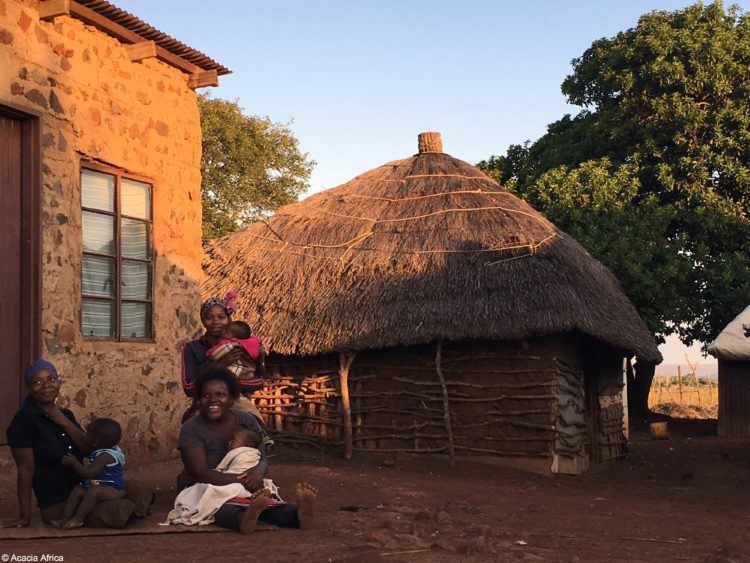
x=198 y=503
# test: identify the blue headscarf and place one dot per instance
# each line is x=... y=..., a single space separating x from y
x=35 y=367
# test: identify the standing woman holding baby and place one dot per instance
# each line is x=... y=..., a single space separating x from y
x=216 y=313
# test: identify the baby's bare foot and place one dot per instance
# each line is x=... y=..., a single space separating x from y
x=58 y=523
x=73 y=523
x=258 y=503
x=307 y=495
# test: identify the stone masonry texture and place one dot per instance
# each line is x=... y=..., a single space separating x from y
x=140 y=117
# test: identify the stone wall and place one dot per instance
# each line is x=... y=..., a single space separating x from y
x=141 y=117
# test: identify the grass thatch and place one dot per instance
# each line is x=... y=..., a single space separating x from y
x=421 y=249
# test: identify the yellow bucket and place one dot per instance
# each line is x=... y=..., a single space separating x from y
x=659 y=431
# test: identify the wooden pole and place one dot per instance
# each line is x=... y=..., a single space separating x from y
x=345 y=362
x=626 y=368
x=679 y=380
x=416 y=432
x=446 y=406
x=278 y=409
x=323 y=413
x=357 y=422
x=694 y=368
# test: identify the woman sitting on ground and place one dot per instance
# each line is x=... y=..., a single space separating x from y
x=204 y=441
x=40 y=435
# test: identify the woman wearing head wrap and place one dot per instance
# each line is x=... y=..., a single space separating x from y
x=39 y=435
x=216 y=313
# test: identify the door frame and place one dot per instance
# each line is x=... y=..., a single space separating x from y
x=31 y=255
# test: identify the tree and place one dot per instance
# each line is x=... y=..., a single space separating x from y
x=251 y=166
x=652 y=176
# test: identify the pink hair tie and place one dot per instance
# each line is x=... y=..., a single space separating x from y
x=229 y=303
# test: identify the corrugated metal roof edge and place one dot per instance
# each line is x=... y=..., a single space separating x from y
x=150 y=33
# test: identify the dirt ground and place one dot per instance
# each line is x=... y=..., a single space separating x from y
x=687 y=498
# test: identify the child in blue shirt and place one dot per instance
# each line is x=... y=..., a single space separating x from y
x=103 y=477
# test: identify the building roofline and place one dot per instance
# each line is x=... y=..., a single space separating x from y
x=133 y=31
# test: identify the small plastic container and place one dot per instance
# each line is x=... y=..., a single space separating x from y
x=659 y=430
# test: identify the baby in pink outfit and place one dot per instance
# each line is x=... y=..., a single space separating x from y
x=238 y=334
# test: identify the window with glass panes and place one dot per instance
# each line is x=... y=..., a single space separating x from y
x=117 y=268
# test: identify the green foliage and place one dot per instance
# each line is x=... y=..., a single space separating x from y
x=653 y=174
x=251 y=166
x=603 y=207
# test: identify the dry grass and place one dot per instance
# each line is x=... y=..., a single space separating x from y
x=694 y=398
x=419 y=250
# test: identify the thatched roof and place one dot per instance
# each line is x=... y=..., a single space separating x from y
x=733 y=343
x=417 y=250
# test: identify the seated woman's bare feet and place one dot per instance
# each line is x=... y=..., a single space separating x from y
x=306 y=498
x=258 y=503
x=73 y=523
x=59 y=523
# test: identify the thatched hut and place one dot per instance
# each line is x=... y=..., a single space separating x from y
x=732 y=349
x=422 y=308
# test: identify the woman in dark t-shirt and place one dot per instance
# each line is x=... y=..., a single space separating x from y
x=39 y=435
x=204 y=442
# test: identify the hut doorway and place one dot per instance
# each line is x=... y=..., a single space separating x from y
x=19 y=252
x=593 y=423
x=734 y=399
x=605 y=412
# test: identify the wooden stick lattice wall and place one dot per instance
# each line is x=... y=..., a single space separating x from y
x=423 y=401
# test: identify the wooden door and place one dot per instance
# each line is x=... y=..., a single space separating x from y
x=20 y=254
x=593 y=422
x=10 y=269
x=734 y=399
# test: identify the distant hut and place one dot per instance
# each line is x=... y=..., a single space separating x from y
x=732 y=349
x=422 y=308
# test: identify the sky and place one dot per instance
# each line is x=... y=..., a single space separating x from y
x=359 y=80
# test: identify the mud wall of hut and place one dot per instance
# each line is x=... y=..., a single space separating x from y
x=95 y=103
x=510 y=400
x=572 y=430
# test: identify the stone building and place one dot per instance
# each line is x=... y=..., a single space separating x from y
x=100 y=148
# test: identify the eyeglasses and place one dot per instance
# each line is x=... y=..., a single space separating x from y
x=53 y=379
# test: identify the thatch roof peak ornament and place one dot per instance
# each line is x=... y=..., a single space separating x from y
x=429 y=141
x=423 y=249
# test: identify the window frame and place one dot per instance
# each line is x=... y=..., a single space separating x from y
x=119 y=174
